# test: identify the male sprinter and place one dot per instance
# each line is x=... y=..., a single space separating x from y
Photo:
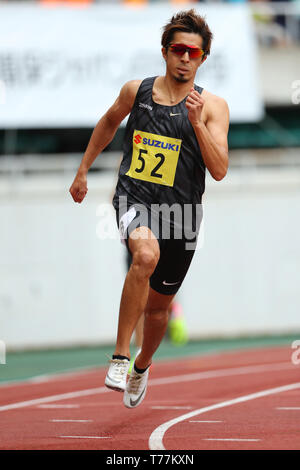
x=175 y=131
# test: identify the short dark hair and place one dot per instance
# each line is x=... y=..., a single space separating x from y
x=189 y=22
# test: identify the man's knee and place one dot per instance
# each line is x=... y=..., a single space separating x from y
x=157 y=316
x=145 y=260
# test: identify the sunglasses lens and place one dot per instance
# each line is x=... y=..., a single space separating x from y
x=180 y=49
x=195 y=53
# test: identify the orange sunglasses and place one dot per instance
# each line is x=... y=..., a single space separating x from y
x=180 y=49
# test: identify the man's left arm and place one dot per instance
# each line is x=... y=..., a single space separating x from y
x=212 y=135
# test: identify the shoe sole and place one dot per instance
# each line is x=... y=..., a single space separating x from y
x=116 y=389
x=113 y=385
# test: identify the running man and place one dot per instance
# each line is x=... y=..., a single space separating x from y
x=175 y=131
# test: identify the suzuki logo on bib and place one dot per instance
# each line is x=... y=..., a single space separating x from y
x=137 y=139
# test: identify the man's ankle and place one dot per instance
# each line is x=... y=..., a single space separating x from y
x=121 y=352
x=120 y=356
x=142 y=364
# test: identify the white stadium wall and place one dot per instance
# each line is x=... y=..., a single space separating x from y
x=61 y=284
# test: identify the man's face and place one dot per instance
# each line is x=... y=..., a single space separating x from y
x=183 y=68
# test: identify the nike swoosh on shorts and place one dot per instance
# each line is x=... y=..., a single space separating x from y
x=170 y=283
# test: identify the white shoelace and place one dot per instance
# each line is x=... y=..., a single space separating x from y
x=120 y=368
x=134 y=382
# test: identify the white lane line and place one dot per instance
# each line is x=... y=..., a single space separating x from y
x=288 y=408
x=156 y=438
x=229 y=439
x=171 y=407
x=199 y=421
x=223 y=373
x=62 y=396
x=58 y=406
x=261 y=368
x=70 y=421
x=84 y=437
x=64 y=374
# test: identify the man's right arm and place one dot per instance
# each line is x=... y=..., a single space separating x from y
x=103 y=135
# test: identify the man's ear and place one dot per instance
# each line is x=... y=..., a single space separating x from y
x=164 y=52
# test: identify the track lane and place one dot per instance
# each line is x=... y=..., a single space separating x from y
x=30 y=427
x=234 y=424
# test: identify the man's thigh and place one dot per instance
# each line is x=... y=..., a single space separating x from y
x=172 y=267
x=139 y=229
x=142 y=238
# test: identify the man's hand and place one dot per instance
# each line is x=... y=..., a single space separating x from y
x=194 y=104
x=79 y=188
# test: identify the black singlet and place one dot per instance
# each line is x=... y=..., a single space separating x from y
x=162 y=161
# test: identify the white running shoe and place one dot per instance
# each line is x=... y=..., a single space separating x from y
x=117 y=374
x=136 y=388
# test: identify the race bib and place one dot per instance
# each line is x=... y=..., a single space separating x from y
x=154 y=158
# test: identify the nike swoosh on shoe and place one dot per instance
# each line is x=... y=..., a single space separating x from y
x=135 y=402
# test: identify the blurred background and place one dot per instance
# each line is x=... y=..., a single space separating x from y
x=62 y=266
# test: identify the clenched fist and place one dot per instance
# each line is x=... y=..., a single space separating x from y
x=79 y=188
x=194 y=104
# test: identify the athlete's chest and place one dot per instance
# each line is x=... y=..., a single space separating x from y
x=165 y=120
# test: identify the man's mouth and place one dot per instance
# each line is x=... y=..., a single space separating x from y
x=182 y=70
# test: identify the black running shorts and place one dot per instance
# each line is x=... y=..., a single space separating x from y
x=176 y=253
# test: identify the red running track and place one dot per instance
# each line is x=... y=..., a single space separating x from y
x=248 y=399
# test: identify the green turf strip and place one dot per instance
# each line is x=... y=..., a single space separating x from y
x=27 y=364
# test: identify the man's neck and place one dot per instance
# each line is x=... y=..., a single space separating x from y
x=176 y=89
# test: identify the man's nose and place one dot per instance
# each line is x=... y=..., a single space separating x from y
x=185 y=57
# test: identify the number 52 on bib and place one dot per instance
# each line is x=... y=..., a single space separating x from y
x=154 y=158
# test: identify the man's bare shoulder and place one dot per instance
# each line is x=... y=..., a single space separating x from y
x=213 y=100
x=214 y=106
x=129 y=90
x=132 y=85
x=124 y=102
